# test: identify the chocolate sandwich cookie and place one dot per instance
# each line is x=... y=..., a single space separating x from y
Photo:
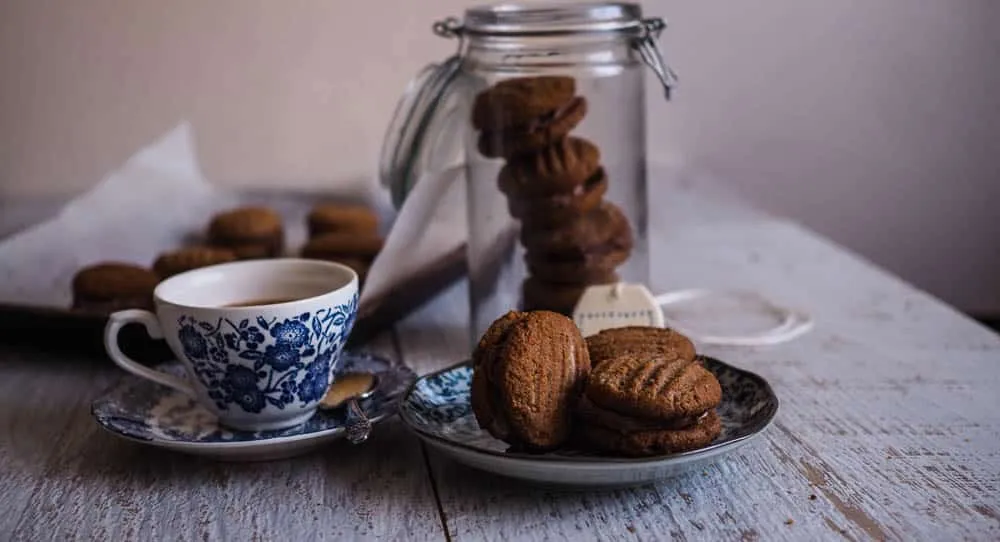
x=557 y=169
x=648 y=385
x=643 y=403
x=552 y=296
x=597 y=269
x=520 y=100
x=171 y=263
x=536 y=134
x=485 y=398
x=652 y=440
x=549 y=212
x=665 y=342
x=591 y=268
x=529 y=371
x=344 y=245
x=603 y=227
x=485 y=401
x=591 y=414
x=333 y=217
x=113 y=286
x=486 y=348
x=250 y=232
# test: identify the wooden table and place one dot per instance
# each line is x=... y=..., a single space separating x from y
x=889 y=428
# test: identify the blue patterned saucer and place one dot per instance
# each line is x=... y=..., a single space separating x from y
x=146 y=412
x=438 y=410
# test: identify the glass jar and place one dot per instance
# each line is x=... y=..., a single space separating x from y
x=544 y=107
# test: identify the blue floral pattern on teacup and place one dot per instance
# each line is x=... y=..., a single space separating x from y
x=144 y=410
x=251 y=364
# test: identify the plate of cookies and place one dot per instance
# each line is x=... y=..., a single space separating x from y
x=625 y=406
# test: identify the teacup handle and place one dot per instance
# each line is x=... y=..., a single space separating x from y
x=115 y=323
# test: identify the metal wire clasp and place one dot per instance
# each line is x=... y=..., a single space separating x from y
x=448 y=28
x=451 y=28
x=645 y=43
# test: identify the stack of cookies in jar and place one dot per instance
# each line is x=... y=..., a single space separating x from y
x=555 y=186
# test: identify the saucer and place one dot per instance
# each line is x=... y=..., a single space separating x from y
x=142 y=411
x=438 y=410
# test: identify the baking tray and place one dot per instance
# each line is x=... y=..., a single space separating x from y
x=80 y=334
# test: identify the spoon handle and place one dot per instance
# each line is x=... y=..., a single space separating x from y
x=360 y=426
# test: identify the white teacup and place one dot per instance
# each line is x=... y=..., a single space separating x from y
x=259 y=338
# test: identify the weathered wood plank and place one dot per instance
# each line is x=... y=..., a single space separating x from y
x=39 y=401
x=66 y=479
x=889 y=426
x=889 y=418
x=888 y=369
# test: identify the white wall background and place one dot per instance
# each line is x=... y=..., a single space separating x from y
x=875 y=122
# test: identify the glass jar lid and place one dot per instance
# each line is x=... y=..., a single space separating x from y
x=552 y=18
x=413 y=145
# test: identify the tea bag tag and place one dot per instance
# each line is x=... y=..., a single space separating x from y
x=616 y=305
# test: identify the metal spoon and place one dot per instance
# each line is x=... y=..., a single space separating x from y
x=352 y=388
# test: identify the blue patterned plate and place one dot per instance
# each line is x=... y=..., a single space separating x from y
x=143 y=411
x=438 y=410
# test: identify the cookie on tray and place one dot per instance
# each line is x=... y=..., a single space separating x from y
x=344 y=245
x=178 y=261
x=529 y=370
x=341 y=217
x=250 y=232
x=112 y=286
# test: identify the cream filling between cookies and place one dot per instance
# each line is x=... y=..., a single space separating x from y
x=588 y=186
x=553 y=116
x=609 y=419
x=537 y=124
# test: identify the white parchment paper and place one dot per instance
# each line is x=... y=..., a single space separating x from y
x=158 y=198
x=430 y=224
x=146 y=206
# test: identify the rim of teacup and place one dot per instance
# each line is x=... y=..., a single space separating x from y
x=167 y=284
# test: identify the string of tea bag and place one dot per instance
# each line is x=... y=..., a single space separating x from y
x=626 y=304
